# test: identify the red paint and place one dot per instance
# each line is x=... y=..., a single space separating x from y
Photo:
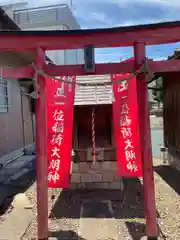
x=126 y=36
x=18 y=72
x=41 y=153
x=77 y=70
x=60 y=127
x=164 y=66
x=125 y=109
x=146 y=148
x=100 y=69
x=119 y=37
x=70 y=70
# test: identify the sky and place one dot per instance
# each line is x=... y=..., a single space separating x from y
x=113 y=13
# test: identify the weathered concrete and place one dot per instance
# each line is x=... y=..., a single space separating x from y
x=14 y=226
x=102 y=226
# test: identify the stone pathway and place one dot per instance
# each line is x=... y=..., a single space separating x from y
x=109 y=215
x=15 y=207
x=104 y=227
x=14 y=226
x=94 y=215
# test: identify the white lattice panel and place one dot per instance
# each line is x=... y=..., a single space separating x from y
x=93 y=95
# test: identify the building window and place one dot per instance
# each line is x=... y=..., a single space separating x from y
x=3 y=95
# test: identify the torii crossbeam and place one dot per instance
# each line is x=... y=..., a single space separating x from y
x=136 y=36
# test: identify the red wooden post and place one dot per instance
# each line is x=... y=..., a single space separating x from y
x=41 y=154
x=145 y=138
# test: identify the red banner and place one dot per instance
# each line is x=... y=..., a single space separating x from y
x=60 y=102
x=126 y=131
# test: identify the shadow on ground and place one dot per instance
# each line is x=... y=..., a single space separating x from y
x=170 y=175
x=128 y=204
x=136 y=230
x=8 y=191
x=132 y=205
x=65 y=235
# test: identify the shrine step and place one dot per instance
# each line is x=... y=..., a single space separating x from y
x=98 y=216
x=95 y=195
x=118 y=185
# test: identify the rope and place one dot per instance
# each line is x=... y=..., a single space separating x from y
x=142 y=69
x=35 y=94
x=93 y=136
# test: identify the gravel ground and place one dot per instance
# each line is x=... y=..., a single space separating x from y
x=128 y=208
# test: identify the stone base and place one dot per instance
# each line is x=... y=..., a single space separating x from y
x=101 y=176
x=100 y=185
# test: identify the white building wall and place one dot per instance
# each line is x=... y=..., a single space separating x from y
x=10 y=8
x=62 y=57
x=58 y=17
x=58 y=57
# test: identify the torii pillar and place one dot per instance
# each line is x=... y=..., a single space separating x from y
x=41 y=152
x=146 y=148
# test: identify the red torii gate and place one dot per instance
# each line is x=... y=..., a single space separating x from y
x=136 y=36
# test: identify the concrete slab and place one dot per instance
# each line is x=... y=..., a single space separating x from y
x=21 y=201
x=97 y=222
x=14 y=226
